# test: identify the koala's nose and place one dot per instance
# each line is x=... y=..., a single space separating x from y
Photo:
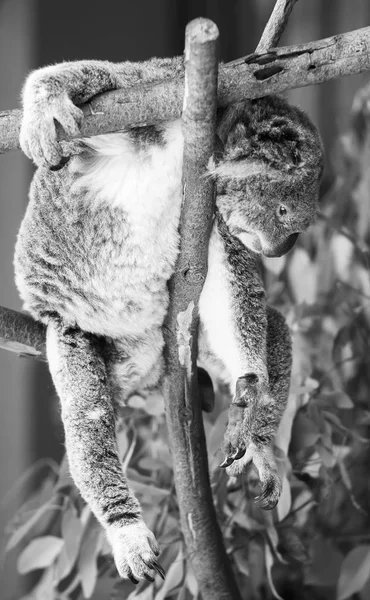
x=290 y=242
x=284 y=247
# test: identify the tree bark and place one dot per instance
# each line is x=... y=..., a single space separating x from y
x=199 y=524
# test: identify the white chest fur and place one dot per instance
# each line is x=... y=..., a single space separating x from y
x=217 y=313
x=144 y=180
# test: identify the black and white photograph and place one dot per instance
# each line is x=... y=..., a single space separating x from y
x=185 y=300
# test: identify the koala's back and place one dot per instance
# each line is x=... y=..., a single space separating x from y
x=99 y=239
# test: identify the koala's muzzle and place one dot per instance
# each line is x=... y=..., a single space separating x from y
x=282 y=248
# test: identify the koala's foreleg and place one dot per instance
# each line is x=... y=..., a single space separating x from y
x=249 y=344
x=50 y=96
x=80 y=377
x=233 y=319
x=252 y=429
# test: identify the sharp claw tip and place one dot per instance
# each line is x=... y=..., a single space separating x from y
x=161 y=572
x=239 y=453
x=227 y=462
x=264 y=503
x=63 y=161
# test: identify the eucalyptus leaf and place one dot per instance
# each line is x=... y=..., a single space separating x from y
x=269 y=561
x=40 y=553
x=174 y=577
x=86 y=563
x=26 y=527
x=354 y=573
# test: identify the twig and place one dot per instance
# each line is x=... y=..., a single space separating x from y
x=183 y=412
x=275 y=25
x=21 y=334
x=249 y=77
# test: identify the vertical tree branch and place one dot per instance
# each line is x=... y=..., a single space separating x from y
x=184 y=418
x=275 y=25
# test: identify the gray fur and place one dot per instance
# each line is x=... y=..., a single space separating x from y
x=93 y=265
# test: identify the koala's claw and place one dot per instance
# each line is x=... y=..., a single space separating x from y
x=161 y=572
x=265 y=504
x=132 y=579
x=226 y=462
x=64 y=160
x=38 y=135
x=239 y=453
x=157 y=567
x=269 y=497
x=242 y=445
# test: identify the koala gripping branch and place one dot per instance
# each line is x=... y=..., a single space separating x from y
x=201 y=531
x=254 y=76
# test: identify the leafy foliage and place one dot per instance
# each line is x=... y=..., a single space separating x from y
x=316 y=544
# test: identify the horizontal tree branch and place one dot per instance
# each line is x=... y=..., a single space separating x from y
x=250 y=77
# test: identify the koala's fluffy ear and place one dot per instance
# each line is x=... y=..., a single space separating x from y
x=237 y=134
x=232 y=130
x=270 y=131
x=238 y=169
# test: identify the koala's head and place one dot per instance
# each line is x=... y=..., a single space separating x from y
x=267 y=172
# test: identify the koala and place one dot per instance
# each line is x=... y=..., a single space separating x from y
x=97 y=247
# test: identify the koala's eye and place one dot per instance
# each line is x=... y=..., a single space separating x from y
x=282 y=210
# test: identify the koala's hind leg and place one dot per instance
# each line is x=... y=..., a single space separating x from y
x=251 y=429
x=80 y=377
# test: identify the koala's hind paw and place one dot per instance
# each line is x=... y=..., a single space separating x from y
x=38 y=136
x=234 y=445
x=241 y=451
x=135 y=551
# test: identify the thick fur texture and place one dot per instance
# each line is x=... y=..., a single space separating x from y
x=96 y=249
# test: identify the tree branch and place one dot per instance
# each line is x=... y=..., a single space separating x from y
x=250 y=77
x=21 y=334
x=183 y=411
x=275 y=25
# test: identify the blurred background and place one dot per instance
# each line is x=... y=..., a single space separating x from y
x=34 y=33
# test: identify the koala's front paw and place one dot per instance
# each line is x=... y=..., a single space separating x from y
x=135 y=551
x=38 y=135
x=248 y=390
x=242 y=448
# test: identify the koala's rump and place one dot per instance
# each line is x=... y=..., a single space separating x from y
x=83 y=262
